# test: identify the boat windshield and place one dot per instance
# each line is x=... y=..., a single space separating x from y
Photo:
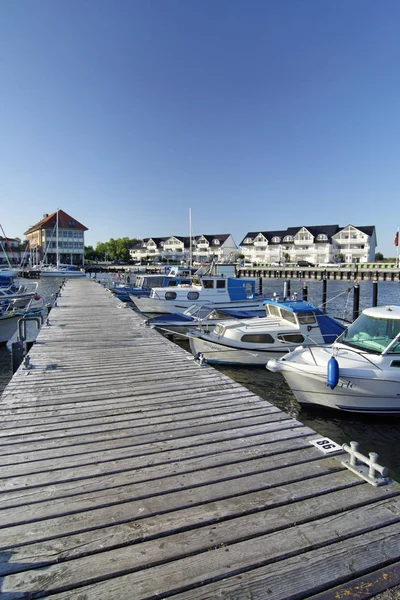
x=198 y=311
x=372 y=334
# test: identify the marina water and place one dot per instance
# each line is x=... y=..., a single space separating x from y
x=374 y=433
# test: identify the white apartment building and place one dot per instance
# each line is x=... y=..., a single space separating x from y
x=319 y=245
x=201 y=248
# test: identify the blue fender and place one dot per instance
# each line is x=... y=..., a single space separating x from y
x=333 y=373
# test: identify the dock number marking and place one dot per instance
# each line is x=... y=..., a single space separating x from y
x=326 y=445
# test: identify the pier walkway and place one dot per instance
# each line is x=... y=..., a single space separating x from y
x=129 y=472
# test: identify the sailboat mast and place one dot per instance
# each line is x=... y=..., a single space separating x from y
x=190 y=237
x=57 y=241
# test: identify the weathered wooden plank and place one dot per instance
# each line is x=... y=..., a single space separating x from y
x=135 y=421
x=222 y=482
x=119 y=467
x=162 y=431
x=190 y=471
x=274 y=443
x=217 y=560
x=33 y=461
x=145 y=405
x=96 y=458
x=148 y=526
x=148 y=444
x=141 y=389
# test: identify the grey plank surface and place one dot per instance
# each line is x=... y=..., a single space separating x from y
x=127 y=471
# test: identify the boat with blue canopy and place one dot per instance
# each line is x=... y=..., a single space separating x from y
x=286 y=325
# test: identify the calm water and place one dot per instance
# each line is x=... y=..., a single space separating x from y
x=374 y=434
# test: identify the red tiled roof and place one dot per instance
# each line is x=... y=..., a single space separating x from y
x=64 y=222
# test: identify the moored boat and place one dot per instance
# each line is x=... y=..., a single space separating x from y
x=61 y=271
x=286 y=325
x=202 y=316
x=222 y=292
x=359 y=372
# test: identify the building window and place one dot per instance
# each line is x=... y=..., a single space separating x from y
x=276 y=240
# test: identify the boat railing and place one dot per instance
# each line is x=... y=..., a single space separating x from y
x=358 y=352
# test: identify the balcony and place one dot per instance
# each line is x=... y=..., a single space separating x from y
x=303 y=242
x=346 y=242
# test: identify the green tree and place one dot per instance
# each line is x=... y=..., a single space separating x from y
x=379 y=256
x=90 y=253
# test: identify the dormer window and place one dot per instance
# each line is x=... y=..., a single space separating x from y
x=288 y=238
x=322 y=237
x=248 y=240
x=216 y=242
x=276 y=239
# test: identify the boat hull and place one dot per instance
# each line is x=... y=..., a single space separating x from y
x=353 y=393
x=62 y=274
x=221 y=354
x=150 y=306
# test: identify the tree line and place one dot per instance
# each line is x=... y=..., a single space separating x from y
x=110 y=251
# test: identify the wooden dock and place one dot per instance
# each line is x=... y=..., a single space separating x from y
x=129 y=472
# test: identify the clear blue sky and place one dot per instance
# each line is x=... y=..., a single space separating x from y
x=256 y=114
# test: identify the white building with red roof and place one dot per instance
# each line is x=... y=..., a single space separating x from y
x=57 y=229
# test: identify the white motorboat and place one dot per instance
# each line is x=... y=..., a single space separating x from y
x=196 y=316
x=222 y=292
x=142 y=284
x=286 y=325
x=8 y=272
x=62 y=271
x=359 y=372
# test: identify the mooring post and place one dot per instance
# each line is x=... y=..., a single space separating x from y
x=260 y=286
x=286 y=289
x=324 y=289
x=356 y=301
x=375 y=292
x=305 y=292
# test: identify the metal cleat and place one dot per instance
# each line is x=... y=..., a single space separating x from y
x=366 y=468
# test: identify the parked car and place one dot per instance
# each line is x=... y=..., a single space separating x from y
x=304 y=263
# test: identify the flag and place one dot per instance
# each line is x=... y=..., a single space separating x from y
x=396 y=239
